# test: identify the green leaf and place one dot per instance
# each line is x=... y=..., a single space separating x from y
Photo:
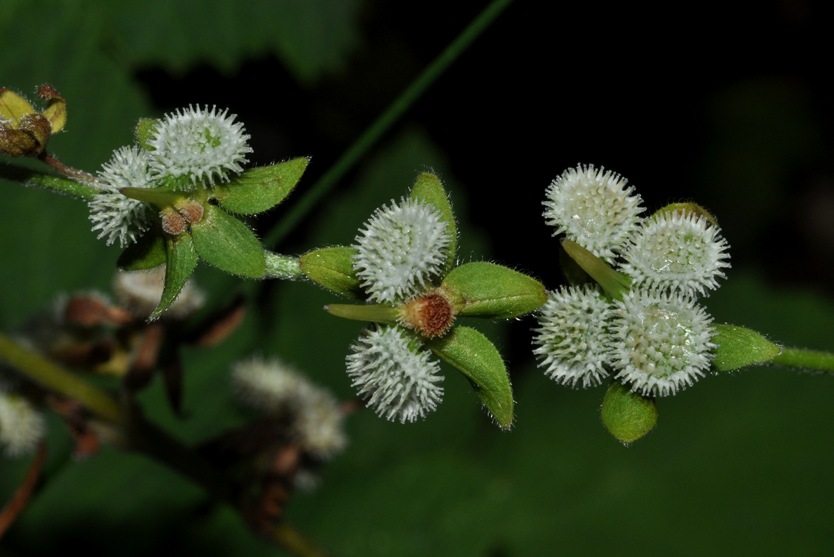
x=147 y=253
x=181 y=261
x=471 y=353
x=614 y=283
x=260 y=189
x=740 y=347
x=429 y=188
x=332 y=268
x=627 y=416
x=489 y=290
x=228 y=244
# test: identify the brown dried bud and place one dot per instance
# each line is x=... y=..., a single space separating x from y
x=173 y=223
x=431 y=315
x=191 y=211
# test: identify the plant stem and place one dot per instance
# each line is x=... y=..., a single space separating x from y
x=142 y=436
x=286 y=267
x=809 y=360
x=53 y=377
x=386 y=120
x=67 y=170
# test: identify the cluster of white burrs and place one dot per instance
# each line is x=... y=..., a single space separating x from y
x=188 y=149
x=401 y=249
x=655 y=338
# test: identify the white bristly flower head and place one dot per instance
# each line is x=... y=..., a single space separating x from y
x=22 y=426
x=201 y=144
x=395 y=377
x=401 y=248
x=570 y=341
x=659 y=342
x=273 y=386
x=594 y=208
x=676 y=252
x=118 y=218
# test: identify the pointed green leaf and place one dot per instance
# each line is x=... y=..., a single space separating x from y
x=429 y=188
x=627 y=416
x=332 y=268
x=471 y=353
x=739 y=347
x=489 y=290
x=228 y=244
x=614 y=283
x=260 y=189
x=181 y=259
x=147 y=253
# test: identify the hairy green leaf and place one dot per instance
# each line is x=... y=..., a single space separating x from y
x=429 y=189
x=260 y=189
x=228 y=244
x=489 y=290
x=181 y=259
x=471 y=353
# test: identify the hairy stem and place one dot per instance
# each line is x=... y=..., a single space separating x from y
x=67 y=170
x=386 y=120
x=286 y=267
x=809 y=360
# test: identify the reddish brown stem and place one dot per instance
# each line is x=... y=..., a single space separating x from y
x=67 y=170
x=21 y=497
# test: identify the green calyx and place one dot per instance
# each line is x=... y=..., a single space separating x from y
x=332 y=268
x=626 y=415
x=738 y=347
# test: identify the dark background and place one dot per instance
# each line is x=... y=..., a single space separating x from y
x=722 y=103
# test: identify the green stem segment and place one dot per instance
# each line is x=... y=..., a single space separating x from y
x=386 y=120
x=809 y=360
x=83 y=191
x=53 y=377
x=286 y=267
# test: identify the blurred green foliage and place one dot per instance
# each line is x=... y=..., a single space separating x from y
x=738 y=463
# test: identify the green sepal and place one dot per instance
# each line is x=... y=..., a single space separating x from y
x=332 y=268
x=260 y=189
x=159 y=197
x=374 y=313
x=486 y=289
x=686 y=208
x=573 y=273
x=739 y=347
x=471 y=353
x=627 y=416
x=225 y=242
x=181 y=260
x=614 y=283
x=145 y=131
x=147 y=253
x=429 y=189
